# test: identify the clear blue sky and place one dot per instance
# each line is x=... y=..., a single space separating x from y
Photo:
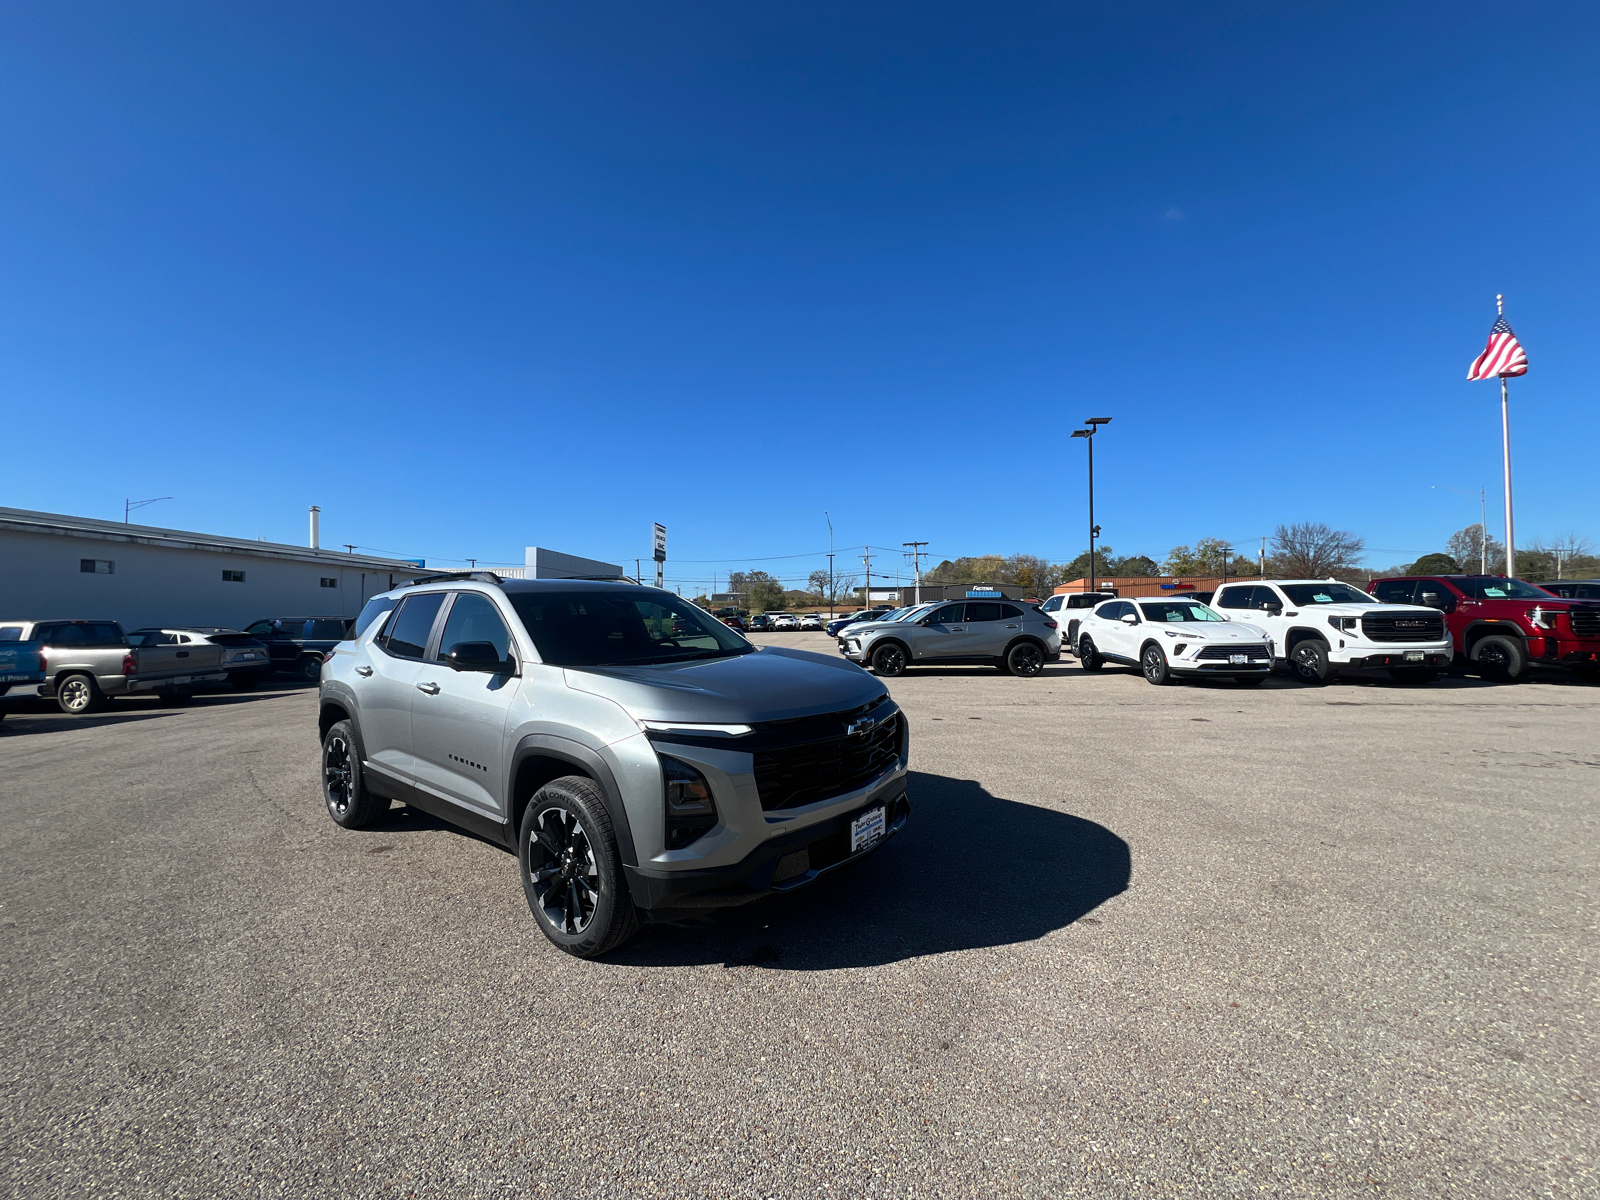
x=478 y=277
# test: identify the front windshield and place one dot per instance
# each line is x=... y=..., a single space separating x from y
x=625 y=627
x=1178 y=610
x=1494 y=587
x=1306 y=594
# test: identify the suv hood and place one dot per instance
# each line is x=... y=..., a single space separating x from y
x=1366 y=610
x=1219 y=631
x=770 y=685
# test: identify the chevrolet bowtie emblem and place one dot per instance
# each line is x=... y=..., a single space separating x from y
x=859 y=728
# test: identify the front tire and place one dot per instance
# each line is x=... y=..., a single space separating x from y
x=311 y=668
x=1088 y=657
x=1309 y=662
x=79 y=694
x=889 y=660
x=1025 y=660
x=1153 y=662
x=344 y=791
x=572 y=871
x=1500 y=658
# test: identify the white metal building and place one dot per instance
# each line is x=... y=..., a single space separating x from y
x=139 y=575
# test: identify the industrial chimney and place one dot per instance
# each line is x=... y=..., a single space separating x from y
x=316 y=527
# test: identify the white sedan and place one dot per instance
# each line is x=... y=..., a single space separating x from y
x=1168 y=638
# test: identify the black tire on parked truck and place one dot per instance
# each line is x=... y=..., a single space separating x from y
x=1309 y=662
x=572 y=870
x=1503 y=659
x=344 y=791
x=78 y=694
x=311 y=667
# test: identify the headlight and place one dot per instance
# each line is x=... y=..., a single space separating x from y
x=1345 y=624
x=1545 y=617
x=690 y=810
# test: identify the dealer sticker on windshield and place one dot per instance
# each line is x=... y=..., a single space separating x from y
x=866 y=829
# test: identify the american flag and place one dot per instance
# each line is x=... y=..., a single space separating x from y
x=1502 y=356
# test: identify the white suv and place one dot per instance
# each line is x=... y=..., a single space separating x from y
x=1169 y=637
x=1320 y=625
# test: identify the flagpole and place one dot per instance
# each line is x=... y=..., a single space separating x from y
x=1505 y=445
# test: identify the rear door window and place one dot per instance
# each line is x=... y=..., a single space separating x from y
x=983 y=612
x=407 y=634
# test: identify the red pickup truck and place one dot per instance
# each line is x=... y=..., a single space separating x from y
x=1503 y=626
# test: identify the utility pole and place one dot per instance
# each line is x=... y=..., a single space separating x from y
x=129 y=505
x=866 y=588
x=1263 y=559
x=1094 y=424
x=917 y=554
x=829 y=520
x=1227 y=552
x=349 y=547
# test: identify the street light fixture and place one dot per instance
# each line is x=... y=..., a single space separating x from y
x=1094 y=424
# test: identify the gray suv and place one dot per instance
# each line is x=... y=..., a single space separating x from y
x=1013 y=636
x=644 y=760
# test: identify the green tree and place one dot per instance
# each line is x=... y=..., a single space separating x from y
x=1133 y=565
x=1434 y=564
x=765 y=592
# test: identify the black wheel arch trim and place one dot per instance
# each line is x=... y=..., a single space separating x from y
x=587 y=762
x=1489 y=628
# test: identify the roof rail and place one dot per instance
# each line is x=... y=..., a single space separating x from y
x=443 y=576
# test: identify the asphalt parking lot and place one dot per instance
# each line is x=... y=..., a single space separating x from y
x=1202 y=940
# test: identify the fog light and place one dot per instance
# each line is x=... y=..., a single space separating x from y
x=690 y=810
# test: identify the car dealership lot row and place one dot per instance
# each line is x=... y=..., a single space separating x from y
x=1313 y=941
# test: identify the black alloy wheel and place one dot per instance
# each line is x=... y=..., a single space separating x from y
x=1153 y=662
x=344 y=792
x=889 y=660
x=1309 y=662
x=572 y=870
x=1088 y=657
x=1025 y=660
x=1500 y=658
x=311 y=668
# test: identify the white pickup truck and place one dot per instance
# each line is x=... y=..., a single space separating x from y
x=1321 y=625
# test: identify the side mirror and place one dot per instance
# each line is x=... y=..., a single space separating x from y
x=1129 y=619
x=1431 y=599
x=475 y=656
x=1270 y=606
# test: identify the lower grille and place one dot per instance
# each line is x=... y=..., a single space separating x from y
x=1403 y=629
x=1585 y=622
x=1225 y=653
x=793 y=776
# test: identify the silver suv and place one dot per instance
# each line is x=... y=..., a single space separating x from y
x=1013 y=636
x=643 y=759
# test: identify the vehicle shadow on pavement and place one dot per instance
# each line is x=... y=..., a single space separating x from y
x=62 y=722
x=970 y=870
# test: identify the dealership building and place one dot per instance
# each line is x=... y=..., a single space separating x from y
x=54 y=566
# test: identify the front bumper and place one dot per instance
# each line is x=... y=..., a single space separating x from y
x=1427 y=657
x=781 y=863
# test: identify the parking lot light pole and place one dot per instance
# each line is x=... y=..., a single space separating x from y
x=1094 y=424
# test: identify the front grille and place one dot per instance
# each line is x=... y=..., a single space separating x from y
x=1585 y=622
x=1256 y=653
x=1405 y=628
x=791 y=776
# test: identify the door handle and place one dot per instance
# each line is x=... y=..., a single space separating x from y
x=1013 y=626
x=431 y=688
x=363 y=671
x=955 y=629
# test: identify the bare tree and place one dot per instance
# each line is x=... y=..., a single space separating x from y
x=1312 y=550
x=819 y=581
x=1467 y=547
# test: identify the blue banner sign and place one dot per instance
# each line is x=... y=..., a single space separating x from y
x=983 y=594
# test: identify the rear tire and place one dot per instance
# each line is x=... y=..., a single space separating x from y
x=1309 y=662
x=1025 y=660
x=889 y=660
x=344 y=791
x=1500 y=658
x=572 y=871
x=311 y=668
x=1088 y=657
x=1153 y=662
x=77 y=695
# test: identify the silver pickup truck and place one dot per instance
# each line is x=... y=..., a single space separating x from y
x=88 y=662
